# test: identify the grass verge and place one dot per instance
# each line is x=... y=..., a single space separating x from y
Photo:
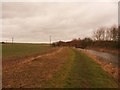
x=85 y=73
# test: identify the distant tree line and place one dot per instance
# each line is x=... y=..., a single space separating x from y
x=102 y=37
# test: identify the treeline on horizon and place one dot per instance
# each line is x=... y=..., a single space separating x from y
x=101 y=38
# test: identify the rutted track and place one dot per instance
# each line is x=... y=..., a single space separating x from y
x=37 y=57
x=16 y=63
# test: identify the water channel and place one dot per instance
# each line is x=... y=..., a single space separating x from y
x=107 y=57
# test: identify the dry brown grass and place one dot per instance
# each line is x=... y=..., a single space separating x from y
x=62 y=67
x=35 y=72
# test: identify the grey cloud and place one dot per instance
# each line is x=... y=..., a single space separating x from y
x=35 y=22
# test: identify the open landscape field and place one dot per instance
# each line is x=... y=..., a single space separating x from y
x=60 y=44
x=44 y=66
x=18 y=50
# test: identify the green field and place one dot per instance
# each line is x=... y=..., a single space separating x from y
x=22 y=49
x=65 y=68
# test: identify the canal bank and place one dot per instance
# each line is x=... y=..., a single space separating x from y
x=109 y=62
x=107 y=50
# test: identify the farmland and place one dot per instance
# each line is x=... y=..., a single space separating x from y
x=18 y=50
x=61 y=67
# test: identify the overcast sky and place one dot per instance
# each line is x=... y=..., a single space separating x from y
x=36 y=21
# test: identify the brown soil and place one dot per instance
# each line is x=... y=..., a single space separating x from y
x=33 y=72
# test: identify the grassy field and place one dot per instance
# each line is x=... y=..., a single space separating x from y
x=17 y=50
x=65 y=68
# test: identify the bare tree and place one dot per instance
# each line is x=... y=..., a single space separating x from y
x=99 y=34
x=108 y=34
x=102 y=30
x=114 y=33
x=118 y=33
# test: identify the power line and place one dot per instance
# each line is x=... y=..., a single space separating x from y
x=12 y=40
x=50 y=39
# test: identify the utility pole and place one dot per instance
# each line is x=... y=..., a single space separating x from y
x=12 y=40
x=50 y=39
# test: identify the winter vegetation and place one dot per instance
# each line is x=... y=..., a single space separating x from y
x=103 y=37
